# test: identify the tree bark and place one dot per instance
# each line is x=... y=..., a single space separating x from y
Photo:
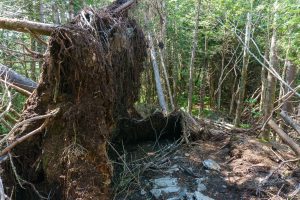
x=243 y=81
x=193 y=55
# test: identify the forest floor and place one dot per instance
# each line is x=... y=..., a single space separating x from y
x=243 y=167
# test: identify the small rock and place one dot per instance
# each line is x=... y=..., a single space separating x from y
x=174 y=168
x=187 y=154
x=200 y=196
x=166 y=190
x=143 y=192
x=174 y=198
x=197 y=196
x=189 y=196
x=211 y=165
x=224 y=186
x=165 y=182
x=171 y=189
x=200 y=186
x=156 y=193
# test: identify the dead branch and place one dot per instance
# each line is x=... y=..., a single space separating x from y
x=297 y=190
x=264 y=181
x=124 y=7
x=18 y=89
x=22 y=139
x=290 y=121
x=9 y=104
x=25 y=25
x=289 y=141
x=12 y=131
x=40 y=40
x=32 y=53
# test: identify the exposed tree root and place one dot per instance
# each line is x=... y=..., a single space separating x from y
x=92 y=74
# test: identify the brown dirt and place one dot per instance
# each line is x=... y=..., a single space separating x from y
x=245 y=162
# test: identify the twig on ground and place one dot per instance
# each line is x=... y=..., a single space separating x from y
x=265 y=180
x=295 y=192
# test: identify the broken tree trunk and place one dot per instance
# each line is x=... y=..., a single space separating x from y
x=92 y=74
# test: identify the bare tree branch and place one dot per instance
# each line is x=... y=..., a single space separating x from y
x=26 y=26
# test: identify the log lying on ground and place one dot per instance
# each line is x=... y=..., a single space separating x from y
x=18 y=80
x=92 y=73
x=289 y=141
x=289 y=121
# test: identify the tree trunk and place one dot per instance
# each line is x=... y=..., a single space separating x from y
x=160 y=93
x=291 y=72
x=210 y=78
x=71 y=9
x=289 y=121
x=193 y=55
x=219 y=89
x=233 y=96
x=243 y=81
x=289 y=141
x=271 y=80
x=203 y=78
x=163 y=49
x=55 y=13
x=263 y=82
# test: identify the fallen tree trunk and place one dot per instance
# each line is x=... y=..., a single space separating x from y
x=92 y=74
x=14 y=79
x=289 y=141
x=290 y=122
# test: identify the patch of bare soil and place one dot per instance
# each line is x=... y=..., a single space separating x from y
x=169 y=169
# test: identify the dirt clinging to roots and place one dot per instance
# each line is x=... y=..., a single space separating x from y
x=92 y=74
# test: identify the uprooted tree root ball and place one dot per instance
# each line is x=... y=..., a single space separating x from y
x=92 y=73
